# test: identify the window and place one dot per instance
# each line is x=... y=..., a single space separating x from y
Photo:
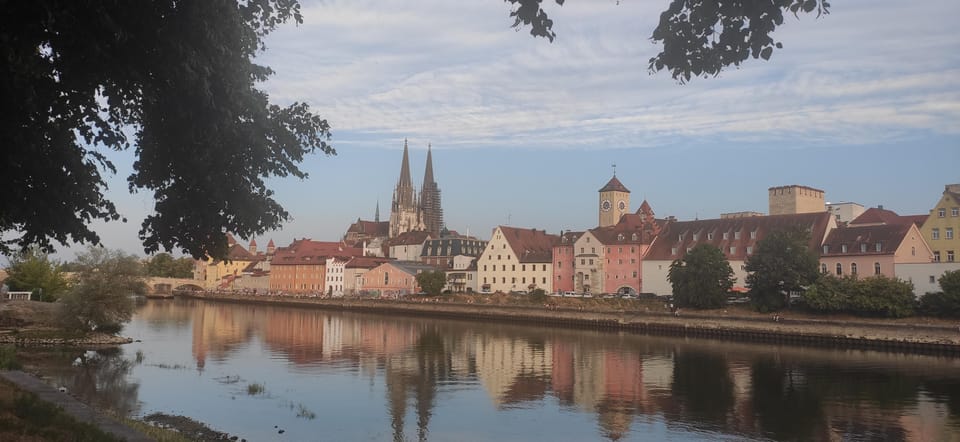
x=559 y=264
x=523 y=267
x=863 y=247
x=826 y=249
x=513 y=268
x=634 y=274
x=543 y=280
x=386 y=278
x=689 y=249
x=673 y=250
x=726 y=235
x=935 y=234
x=591 y=261
x=733 y=250
x=949 y=255
x=583 y=261
x=499 y=257
x=503 y=267
x=913 y=251
x=736 y=235
x=593 y=250
x=823 y=269
x=955 y=211
x=949 y=233
x=608 y=250
x=753 y=234
x=484 y=267
x=749 y=250
x=696 y=236
x=523 y=280
x=633 y=261
x=513 y=280
x=843 y=248
x=633 y=237
x=619 y=261
x=853 y=268
x=544 y=267
x=876 y=268
x=710 y=235
x=581 y=250
x=839 y=269
x=941 y=212
x=619 y=249
x=631 y=250
x=936 y=256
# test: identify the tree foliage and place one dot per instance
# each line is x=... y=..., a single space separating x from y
x=873 y=296
x=781 y=264
x=702 y=278
x=32 y=270
x=700 y=37
x=100 y=298
x=174 y=79
x=432 y=281
x=164 y=265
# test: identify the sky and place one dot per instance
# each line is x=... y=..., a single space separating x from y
x=863 y=103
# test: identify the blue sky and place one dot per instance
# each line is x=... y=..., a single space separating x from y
x=863 y=103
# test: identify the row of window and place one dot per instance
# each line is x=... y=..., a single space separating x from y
x=935 y=233
x=950 y=256
x=513 y=267
x=853 y=268
x=863 y=248
x=732 y=250
x=942 y=212
x=513 y=280
x=710 y=235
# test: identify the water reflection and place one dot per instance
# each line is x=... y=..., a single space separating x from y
x=379 y=377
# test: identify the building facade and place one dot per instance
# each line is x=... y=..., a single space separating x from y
x=614 y=202
x=394 y=279
x=873 y=249
x=517 y=260
x=792 y=199
x=941 y=229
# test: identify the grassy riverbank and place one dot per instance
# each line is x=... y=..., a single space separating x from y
x=653 y=316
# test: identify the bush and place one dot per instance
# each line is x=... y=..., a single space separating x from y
x=828 y=294
x=538 y=296
x=947 y=302
x=873 y=296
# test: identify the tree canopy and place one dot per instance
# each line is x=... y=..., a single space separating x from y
x=100 y=297
x=702 y=278
x=174 y=80
x=432 y=281
x=33 y=270
x=164 y=265
x=700 y=38
x=782 y=263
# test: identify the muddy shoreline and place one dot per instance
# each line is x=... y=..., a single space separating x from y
x=861 y=333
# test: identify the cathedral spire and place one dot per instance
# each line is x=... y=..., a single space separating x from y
x=376 y=215
x=428 y=171
x=405 y=167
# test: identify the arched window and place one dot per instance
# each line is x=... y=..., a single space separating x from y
x=839 y=269
x=823 y=269
x=386 y=278
x=853 y=268
x=876 y=268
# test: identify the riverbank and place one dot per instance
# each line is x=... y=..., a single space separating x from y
x=33 y=323
x=735 y=323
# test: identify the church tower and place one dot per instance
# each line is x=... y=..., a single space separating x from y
x=614 y=202
x=405 y=209
x=430 y=200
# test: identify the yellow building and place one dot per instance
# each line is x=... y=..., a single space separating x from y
x=941 y=228
x=517 y=260
x=215 y=273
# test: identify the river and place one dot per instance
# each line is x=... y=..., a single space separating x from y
x=269 y=373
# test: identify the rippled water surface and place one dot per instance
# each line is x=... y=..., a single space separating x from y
x=339 y=376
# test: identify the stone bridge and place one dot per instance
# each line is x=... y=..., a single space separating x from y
x=164 y=286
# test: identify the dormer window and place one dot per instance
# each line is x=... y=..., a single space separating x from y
x=710 y=236
x=826 y=249
x=633 y=237
x=753 y=234
x=696 y=236
x=843 y=248
x=620 y=237
x=879 y=246
x=863 y=248
x=736 y=235
x=726 y=235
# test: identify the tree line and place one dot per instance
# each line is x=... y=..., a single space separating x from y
x=784 y=273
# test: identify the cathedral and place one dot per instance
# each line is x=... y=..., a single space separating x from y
x=411 y=212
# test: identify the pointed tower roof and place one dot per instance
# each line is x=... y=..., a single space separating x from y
x=428 y=171
x=270 y=244
x=376 y=215
x=614 y=185
x=405 y=167
x=253 y=242
x=645 y=208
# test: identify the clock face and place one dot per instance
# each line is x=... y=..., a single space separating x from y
x=605 y=205
x=622 y=205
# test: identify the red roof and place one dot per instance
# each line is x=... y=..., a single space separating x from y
x=863 y=239
x=530 y=245
x=615 y=185
x=681 y=235
x=366 y=262
x=305 y=251
x=411 y=238
x=876 y=215
x=370 y=228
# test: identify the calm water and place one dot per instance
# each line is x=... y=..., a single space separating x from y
x=341 y=376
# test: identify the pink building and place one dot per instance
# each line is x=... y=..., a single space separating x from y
x=874 y=249
x=564 y=263
x=395 y=278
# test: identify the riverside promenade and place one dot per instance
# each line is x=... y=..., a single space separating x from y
x=911 y=334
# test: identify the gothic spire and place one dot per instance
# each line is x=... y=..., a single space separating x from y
x=428 y=171
x=376 y=215
x=405 y=167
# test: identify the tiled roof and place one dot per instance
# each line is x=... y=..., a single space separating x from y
x=530 y=245
x=366 y=262
x=863 y=239
x=916 y=219
x=614 y=185
x=876 y=215
x=238 y=253
x=681 y=234
x=370 y=228
x=412 y=267
x=411 y=238
x=568 y=238
x=305 y=251
x=453 y=247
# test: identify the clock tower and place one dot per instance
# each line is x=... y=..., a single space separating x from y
x=614 y=202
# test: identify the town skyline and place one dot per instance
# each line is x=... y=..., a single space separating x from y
x=860 y=103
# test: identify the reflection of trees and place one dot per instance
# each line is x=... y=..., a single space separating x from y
x=784 y=406
x=702 y=386
x=102 y=379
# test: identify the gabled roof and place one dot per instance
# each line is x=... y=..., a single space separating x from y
x=366 y=262
x=370 y=228
x=614 y=185
x=568 y=238
x=863 y=239
x=238 y=253
x=411 y=238
x=681 y=234
x=305 y=251
x=876 y=215
x=530 y=245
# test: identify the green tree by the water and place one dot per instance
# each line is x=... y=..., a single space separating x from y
x=432 y=281
x=34 y=271
x=165 y=265
x=782 y=263
x=702 y=278
x=100 y=298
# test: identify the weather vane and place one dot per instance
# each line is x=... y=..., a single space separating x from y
x=614 y=169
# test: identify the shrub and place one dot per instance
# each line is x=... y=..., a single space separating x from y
x=947 y=302
x=873 y=296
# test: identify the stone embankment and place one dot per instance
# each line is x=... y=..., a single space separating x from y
x=893 y=335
